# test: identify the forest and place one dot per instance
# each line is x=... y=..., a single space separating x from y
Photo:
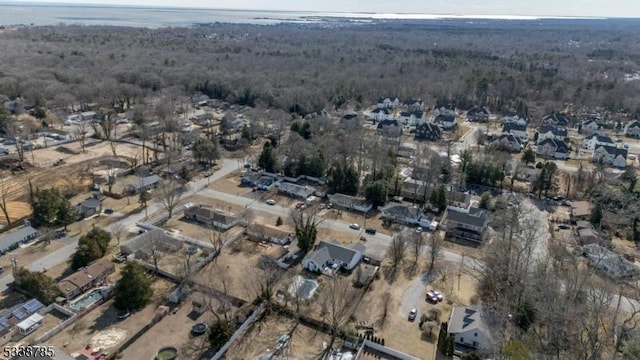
x=533 y=66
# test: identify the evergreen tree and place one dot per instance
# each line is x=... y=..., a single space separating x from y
x=91 y=246
x=133 y=291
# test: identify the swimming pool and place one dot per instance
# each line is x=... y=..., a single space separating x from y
x=87 y=300
x=303 y=288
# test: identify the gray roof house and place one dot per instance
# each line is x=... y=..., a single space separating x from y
x=587 y=234
x=145 y=184
x=555 y=119
x=209 y=216
x=89 y=207
x=11 y=318
x=469 y=224
x=401 y=214
x=14 y=239
x=610 y=263
x=632 y=128
x=469 y=328
x=296 y=191
x=331 y=255
x=351 y=203
x=267 y=233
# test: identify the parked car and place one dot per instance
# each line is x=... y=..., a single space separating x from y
x=271 y=202
x=108 y=211
x=122 y=314
x=434 y=296
x=355 y=226
x=419 y=229
x=564 y=226
x=412 y=314
x=207 y=173
x=370 y=230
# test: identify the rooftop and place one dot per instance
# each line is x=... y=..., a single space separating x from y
x=86 y=275
x=466 y=318
x=471 y=216
x=17 y=236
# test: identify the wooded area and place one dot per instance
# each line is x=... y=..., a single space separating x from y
x=540 y=65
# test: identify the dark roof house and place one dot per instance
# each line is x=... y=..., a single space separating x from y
x=427 y=131
x=209 y=216
x=14 y=239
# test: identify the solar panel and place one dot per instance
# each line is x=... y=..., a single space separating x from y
x=32 y=306
x=19 y=314
x=4 y=323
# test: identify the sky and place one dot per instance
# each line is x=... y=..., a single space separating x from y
x=597 y=8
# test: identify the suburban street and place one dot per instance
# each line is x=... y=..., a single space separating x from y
x=61 y=255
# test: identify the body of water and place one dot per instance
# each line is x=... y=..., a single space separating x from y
x=17 y=13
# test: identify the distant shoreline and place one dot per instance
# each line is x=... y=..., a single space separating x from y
x=14 y=13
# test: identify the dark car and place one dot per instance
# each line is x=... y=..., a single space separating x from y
x=370 y=230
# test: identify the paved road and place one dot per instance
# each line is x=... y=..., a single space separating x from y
x=61 y=255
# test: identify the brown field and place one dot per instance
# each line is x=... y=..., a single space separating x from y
x=237 y=269
x=305 y=343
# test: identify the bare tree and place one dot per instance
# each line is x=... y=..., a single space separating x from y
x=385 y=298
x=217 y=240
x=417 y=243
x=80 y=133
x=118 y=230
x=436 y=243
x=396 y=254
x=169 y=195
x=336 y=303
x=4 y=193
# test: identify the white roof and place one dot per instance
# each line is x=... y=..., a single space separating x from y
x=30 y=321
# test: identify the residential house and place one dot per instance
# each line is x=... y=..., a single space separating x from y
x=144 y=184
x=378 y=114
x=610 y=155
x=593 y=140
x=428 y=131
x=89 y=116
x=296 y=191
x=350 y=115
x=580 y=210
x=414 y=190
x=551 y=148
x=401 y=214
x=414 y=118
x=388 y=103
x=552 y=132
x=517 y=130
x=446 y=121
x=86 y=278
x=589 y=126
x=610 y=263
x=632 y=128
x=413 y=105
x=468 y=224
x=459 y=199
x=555 y=119
x=12 y=317
x=469 y=328
x=392 y=126
x=262 y=181
x=209 y=216
x=588 y=235
x=515 y=118
x=507 y=142
x=351 y=203
x=478 y=114
x=267 y=233
x=15 y=238
x=89 y=207
x=328 y=255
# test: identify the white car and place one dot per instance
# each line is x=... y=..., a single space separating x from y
x=412 y=314
x=434 y=296
x=271 y=202
x=355 y=226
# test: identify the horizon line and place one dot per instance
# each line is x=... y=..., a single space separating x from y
x=337 y=14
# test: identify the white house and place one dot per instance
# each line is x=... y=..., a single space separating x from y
x=379 y=114
x=593 y=140
x=388 y=103
x=551 y=148
x=507 y=142
x=610 y=263
x=517 y=130
x=469 y=224
x=413 y=105
x=632 y=128
x=351 y=203
x=469 y=328
x=515 y=118
x=555 y=119
x=589 y=126
x=611 y=155
x=553 y=132
x=329 y=255
x=414 y=118
x=89 y=115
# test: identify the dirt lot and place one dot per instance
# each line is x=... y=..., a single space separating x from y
x=230 y=185
x=305 y=342
x=100 y=328
x=408 y=292
x=173 y=330
x=237 y=269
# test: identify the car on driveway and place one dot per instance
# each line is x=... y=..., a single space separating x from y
x=412 y=314
x=434 y=296
x=355 y=226
x=271 y=202
x=370 y=230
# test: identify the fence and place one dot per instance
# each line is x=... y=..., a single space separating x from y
x=236 y=335
x=370 y=346
x=63 y=325
x=135 y=337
